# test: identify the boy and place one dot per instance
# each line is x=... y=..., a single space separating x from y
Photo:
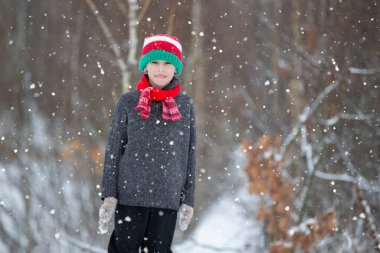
x=149 y=167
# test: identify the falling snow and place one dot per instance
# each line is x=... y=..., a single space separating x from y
x=305 y=74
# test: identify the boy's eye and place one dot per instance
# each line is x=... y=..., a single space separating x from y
x=154 y=62
x=167 y=62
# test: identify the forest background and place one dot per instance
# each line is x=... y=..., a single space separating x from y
x=290 y=85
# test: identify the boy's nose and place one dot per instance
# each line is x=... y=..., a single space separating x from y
x=160 y=67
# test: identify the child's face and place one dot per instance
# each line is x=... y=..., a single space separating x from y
x=160 y=73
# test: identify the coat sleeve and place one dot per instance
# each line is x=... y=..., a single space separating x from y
x=117 y=140
x=187 y=194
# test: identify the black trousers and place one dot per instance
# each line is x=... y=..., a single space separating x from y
x=150 y=229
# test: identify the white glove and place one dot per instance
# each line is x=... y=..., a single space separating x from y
x=105 y=213
x=185 y=215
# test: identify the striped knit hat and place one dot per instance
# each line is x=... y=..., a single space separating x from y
x=162 y=47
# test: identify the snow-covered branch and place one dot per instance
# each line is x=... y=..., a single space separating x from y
x=308 y=110
x=347 y=116
x=354 y=177
x=307 y=149
x=363 y=183
x=360 y=71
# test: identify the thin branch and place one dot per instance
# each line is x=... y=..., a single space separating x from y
x=369 y=219
x=353 y=171
x=273 y=28
x=347 y=116
x=307 y=112
x=307 y=149
x=359 y=179
x=143 y=10
x=360 y=71
x=171 y=18
x=364 y=184
x=114 y=46
x=257 y=121
x=122 y=8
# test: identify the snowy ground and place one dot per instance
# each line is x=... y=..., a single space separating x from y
x=227 y=227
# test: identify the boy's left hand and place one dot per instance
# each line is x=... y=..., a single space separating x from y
x=185 y=215
x=105 y=213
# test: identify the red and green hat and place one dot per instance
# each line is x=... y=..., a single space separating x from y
x=162 y=47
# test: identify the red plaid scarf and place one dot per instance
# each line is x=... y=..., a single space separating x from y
x=148 y=93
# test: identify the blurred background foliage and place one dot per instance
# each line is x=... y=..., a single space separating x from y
x=291 y=84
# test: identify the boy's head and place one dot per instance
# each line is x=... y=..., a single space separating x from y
x=162 y=47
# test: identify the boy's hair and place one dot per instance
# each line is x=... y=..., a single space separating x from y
x=162 y=47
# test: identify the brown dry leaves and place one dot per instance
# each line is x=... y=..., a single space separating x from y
x=82 y=158
x=267 y=178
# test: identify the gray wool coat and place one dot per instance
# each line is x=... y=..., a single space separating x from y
x=150 y=162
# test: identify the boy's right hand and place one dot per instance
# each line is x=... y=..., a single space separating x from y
x=105 y=213
x=185 y=215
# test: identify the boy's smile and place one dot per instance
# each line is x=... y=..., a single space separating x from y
x=161 y=76
x=160 y=73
